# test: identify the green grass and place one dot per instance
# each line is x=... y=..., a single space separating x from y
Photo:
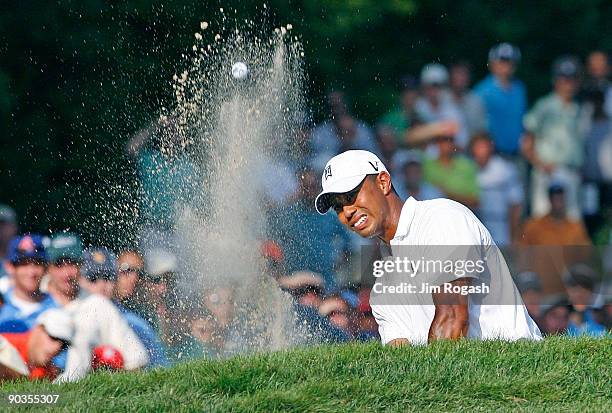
x=558 y=374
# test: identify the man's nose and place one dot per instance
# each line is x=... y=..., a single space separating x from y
x=348 y=211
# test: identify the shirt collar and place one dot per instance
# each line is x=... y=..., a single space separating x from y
x=405 y=219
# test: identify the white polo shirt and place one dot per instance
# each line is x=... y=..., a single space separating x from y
x=441 y=222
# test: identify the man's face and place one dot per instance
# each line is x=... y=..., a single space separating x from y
x=408 y=98
x=64 y=277
x=413 y=174
x=362 y=210
x=102 y=287
x=130 y=265
x=580 y=297
x=459 y=78
x=27 y=276
x=566 y=86
x=446 y=147
x=432 y=92
x=557 y=205
x=502 y=68
x=42 y=348
x=481 y=151
x=555 y=321
x=598 y=65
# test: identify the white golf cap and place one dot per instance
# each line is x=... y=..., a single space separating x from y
x=57 y=323
x=343 y=173
x=434 y=74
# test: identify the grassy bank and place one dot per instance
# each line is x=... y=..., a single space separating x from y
x=556 y=375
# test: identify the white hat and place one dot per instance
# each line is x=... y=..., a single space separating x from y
x=344 y=172
x=434 y=74
x=159 y=261
x=57 y=323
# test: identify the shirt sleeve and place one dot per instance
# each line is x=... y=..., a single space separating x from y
x=533 y=118
x=388 y=328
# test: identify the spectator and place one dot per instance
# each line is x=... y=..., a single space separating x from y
x=99 y=271
x=401 y=119
x=306 y=288
x=8 y=231
x=555 y=228
x=455 y=175
x=553 y=143
x=24 y=301
x=51 y=333
x=555 y=316
x=412 y=184
x=469 y=103
x=160 y=285
x=387 y=142
x=301 y=231
x=580 y=281
x=550 y=234
x=437 y=107
x=168 y=177
x=597 y=168
x=597 y=81
x=501 y=192
x=96 y=320
x=528 y=284
x=336 y=310
x=504 y=98
x=130 y=270
x=129 y=289
x=340 y=133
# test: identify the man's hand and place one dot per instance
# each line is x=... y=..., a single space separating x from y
x=398 y=342
x=451 y=317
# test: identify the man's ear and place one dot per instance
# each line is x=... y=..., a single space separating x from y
x=384 y=182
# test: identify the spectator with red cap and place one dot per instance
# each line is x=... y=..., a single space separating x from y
x=24 y=301
x=52 y=332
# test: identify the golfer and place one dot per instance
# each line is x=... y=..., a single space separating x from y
x=358 y=187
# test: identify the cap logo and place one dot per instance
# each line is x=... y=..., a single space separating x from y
x=374 y=165
x=26 y=244
x=327 y=172
x=99 y=257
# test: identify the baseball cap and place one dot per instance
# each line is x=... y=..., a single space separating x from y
x=566 y=66
x=65 y=246
x=434 y=74
x=556 y=188
x=7 y=214
x=99 y=263
x=505 y=51
x=343 y=173
x=27 y=246
x=528 y=281
x=57 y=323
x=159 y=261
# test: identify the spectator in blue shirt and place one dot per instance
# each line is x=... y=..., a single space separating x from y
x=505 y=99
x=24 y=301
x=580 y=281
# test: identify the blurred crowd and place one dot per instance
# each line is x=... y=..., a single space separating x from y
x=539 y=176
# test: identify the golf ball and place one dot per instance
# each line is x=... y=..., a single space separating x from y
x=240 y=70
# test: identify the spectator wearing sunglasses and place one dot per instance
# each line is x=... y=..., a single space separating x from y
x=128 y=297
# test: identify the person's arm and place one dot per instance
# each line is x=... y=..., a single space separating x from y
x=421 y=134
x=514 y=219
x=451 y=315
